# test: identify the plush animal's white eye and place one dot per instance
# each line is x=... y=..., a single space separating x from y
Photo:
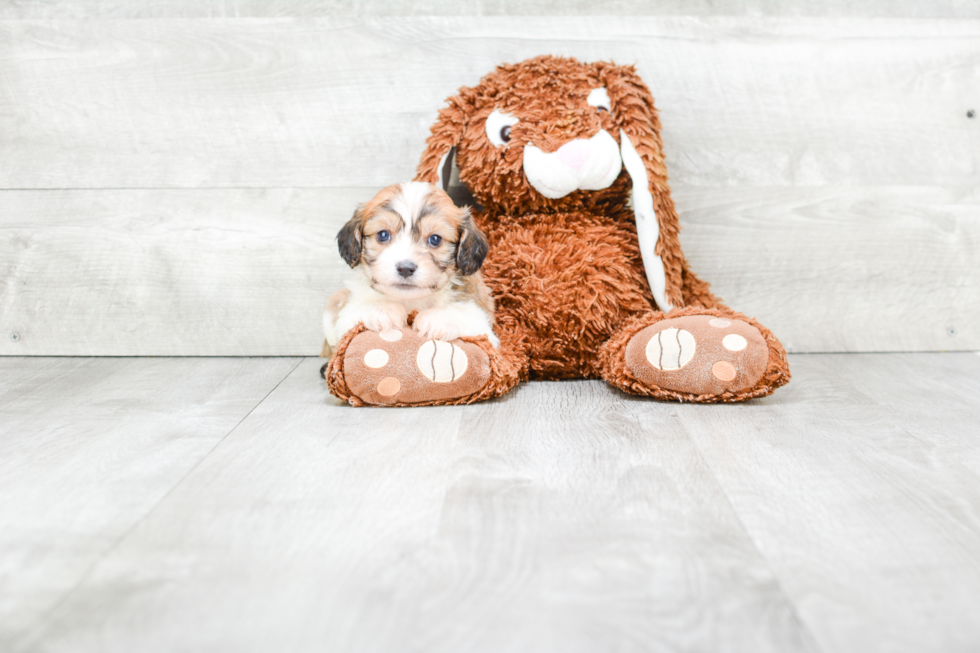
x=599 y=99
x=498 y=127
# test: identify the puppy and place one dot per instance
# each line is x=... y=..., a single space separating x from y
x=415 y=251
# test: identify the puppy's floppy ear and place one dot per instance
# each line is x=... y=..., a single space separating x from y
x=350 y=236
x=472 y=246
x=437 y=159
x=643 y=157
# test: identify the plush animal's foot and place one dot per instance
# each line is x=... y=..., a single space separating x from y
x=399 y=367
x=699 y=356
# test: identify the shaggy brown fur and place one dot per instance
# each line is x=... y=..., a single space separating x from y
x=566 y=273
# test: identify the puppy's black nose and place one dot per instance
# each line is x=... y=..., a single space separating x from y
x=406 y=268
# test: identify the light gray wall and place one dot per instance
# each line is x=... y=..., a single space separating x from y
x=34 y=9
x=172 y=174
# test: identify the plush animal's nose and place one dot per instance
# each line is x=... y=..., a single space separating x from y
x=574 y=154
x=406 y=268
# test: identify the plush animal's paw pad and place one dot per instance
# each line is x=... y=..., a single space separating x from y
x=441 y=362
x=699 y=355
x=401 y=367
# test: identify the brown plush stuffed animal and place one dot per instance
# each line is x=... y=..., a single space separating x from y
x=585 y=264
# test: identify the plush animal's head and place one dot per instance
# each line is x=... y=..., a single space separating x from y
x=552 y=134
x=410 y=240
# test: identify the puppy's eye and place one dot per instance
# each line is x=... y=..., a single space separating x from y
x=599 y=99
x=383 y=236
x=435 y=240
x=498 y=127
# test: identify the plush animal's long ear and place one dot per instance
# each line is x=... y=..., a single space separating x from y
x=472 y=246
x=643 y=157
x=350 y=236
x=436 y=163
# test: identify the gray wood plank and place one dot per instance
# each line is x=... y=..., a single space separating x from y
x=870 y=523
x=247 y=271
x=843 y=269
x=903 y=384
x=227 y=272
x=88 y=447
x=571 y=510
x=88 y=9
x=553 y=520
x=347 y=102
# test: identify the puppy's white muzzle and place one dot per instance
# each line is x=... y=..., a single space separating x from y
x=580 y=164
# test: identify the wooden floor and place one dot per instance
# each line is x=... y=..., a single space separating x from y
x=230 y=504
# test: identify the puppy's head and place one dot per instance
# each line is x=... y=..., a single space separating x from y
x=410 y=240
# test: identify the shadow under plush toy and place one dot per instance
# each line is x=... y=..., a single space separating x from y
x=585 y=264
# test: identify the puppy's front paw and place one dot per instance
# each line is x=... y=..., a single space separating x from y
x=385 y=317
x=438 y=324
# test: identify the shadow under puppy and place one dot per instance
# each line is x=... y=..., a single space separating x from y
x=418 y=253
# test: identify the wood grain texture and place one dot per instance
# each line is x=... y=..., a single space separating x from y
x=347 y=102
x=870 y=522
x=834 y=515
x=843 y=269
x=570 y=510
x=88 y=448
x=227 y=272
x=904 y=384
x=88 y=9
x=553 y=520
x=247 y=271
